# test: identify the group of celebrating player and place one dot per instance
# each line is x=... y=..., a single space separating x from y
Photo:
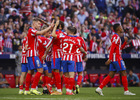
x=52 y=54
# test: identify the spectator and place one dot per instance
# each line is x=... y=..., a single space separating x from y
x=81 y=17
x=133 y=79
x=16 y=41
x=93 y=45
x=129 y=9
x=8 y=41
x=100 y=49
x=2 y=15
x=17 y=29
x=120 y=9
x=1 y=43
x=2 y=30
x=135 y=4
x=92 y=9
x=110 y=6
x=18 y=64
x=93 y=33
x=69 y=9
x=86 y=80
x=101 y=4
x=3 y=82
x=63 y=17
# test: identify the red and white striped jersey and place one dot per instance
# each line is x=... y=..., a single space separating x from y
x=93 y=46
x=1 y=42
x=49 y=55
x=68 y=46
x=8 y=43
x=43 y=43
x=56 y=46
x=116 y=47
x=24 y=56
x=78 y=54
x=32 y=42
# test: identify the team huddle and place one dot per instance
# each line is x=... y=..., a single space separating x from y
x=54 y=55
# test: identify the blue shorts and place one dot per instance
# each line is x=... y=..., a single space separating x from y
x=68 y=66
x=24 y=67
x=56 y=64
x=79 y=67
x=48 y=63
x=114 y=66
x=45 y=67
x=34 y=63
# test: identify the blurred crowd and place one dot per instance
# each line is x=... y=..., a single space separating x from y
x=93 y=19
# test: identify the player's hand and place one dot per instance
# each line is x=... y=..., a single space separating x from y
x=44 y=57
x=57 y=23
x=126 y=39
x=52 y=24
x=108 y=62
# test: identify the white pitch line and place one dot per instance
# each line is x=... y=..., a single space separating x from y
x=93 y=98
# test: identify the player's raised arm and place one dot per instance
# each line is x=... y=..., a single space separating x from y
x=54 y=29
x=42 y=32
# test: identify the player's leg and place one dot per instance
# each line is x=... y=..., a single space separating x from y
x=71 y=65
x=49 y=77
x=56 y=65
x=24 y=71
x=79 y=69
x=45 y=69
x=18 y=73
x=39 y=67
x=111 y=74
x=122 y=70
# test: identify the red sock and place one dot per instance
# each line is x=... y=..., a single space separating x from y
x=66 y=82
x=48 y=79
x=125 y=83
x=36 y=80
x=62 y=82
x=105 y=81
x=21 y=87
x=71 y=83
x=74 y=88
x=52 y=81
x=28 y=81
x=79 y=79
x=57 y=79
x=44 y=81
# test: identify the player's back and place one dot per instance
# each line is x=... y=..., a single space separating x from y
x=41 y=46
x=70 y=44
x=116 y=43
x=32 y=42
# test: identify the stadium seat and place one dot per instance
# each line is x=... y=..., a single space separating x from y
x=101 y=78
x=93 y=77
x=11 y=80
x=115 y=80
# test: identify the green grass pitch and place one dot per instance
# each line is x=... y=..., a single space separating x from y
x=85 y=94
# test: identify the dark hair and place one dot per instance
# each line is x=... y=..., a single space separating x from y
x=71 y=29
x=115 y=26
x=62 y=25
x=36 y=19
x=75 y=30
x=131 y=70
x=93 y=28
